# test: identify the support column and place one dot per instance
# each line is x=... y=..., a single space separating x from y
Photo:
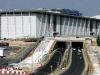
x=58 y=25
x=7 y=25
x=80 y=30
x=94 y=28
x=30 y=24
x=45 y=28
x=68 y=26
x=76 y=28
x=72 y=27
x=22 y=25
x=51 y=25
x=15 y=23
x=84 y=28
x=98 y=28
x=64 y=26
x=88 y=28
x=0 y=27
x=40 y=30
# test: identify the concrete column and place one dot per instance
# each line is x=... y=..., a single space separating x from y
x=45 y=28
x=76 y=28
x=51 y=25
x=64 y=26
x=68 y=26
x=80 y=29
x=22 y=24
x=30 y=24
x=0 y=27
x=88 y=28
x=94 y=28
x=15 y=23
x=72 y=27
x=58 y=25
x=40 y=30
x=84 y=28
x=7 y=25
x=98 y=28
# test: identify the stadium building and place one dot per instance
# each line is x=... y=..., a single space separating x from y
x=41 y=22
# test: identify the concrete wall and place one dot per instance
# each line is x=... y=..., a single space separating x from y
x=18 y=26
x=68 y=26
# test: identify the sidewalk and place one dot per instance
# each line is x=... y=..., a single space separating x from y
x=94 y=55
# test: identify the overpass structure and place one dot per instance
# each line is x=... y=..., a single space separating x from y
x=41 y=54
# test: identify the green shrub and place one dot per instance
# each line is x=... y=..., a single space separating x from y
x=98 y=41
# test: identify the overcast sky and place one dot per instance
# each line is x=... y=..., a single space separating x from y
x=87 y=7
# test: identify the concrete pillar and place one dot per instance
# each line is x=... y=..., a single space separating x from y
x=68 y=26
x=64 y=26
x=84 y=28
x=30 y=24
x=80 y=30
x=76 y=27
x=88 y=28
x=72 y=27
x=0 y=26
x=51 y=25
x=7 y=25
x=40 y=30
x=22 y=24
x=98 y=28
x=15 y=23
x=94 y=27
x=45 y=28
x=58 y=25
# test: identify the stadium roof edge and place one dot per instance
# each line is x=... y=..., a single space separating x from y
x=42 y=10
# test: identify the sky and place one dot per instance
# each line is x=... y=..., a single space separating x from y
x=87 y=7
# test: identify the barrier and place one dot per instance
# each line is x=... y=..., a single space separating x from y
x=12 y=71
x=86 y=64
x=88 y=70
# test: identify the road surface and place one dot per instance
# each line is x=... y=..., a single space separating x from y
x=77 y=65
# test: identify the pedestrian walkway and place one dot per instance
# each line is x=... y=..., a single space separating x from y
x=94 y=55
x=40 y=54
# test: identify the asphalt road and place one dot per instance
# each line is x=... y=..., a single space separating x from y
x=77 y=64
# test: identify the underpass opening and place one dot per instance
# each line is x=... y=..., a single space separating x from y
x=61 y=45
x=77 y=62
x=77 y=45
x=60 y=48
x=55 y=60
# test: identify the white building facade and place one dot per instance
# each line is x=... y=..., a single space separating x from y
x=21 y=24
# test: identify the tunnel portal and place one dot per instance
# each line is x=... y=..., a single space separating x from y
x=77 y=45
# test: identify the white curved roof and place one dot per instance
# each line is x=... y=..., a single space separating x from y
x=97 y=17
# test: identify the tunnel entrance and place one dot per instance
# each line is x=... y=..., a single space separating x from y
x=77 y=45
x=61 y=45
